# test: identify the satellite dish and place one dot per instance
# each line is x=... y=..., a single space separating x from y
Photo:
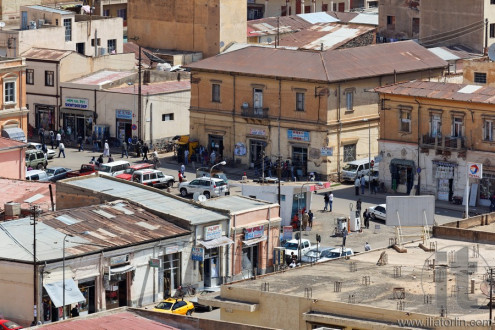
x=491 y=52
x=2 y=24
x=196 y=196
x=202 y=198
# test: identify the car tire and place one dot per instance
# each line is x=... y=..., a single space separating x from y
x=183 y=192
x=189 y=312
x=170 y=184
x=207 y=194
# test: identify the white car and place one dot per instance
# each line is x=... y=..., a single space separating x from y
x=209 y=187
x=49 y=153
x=315 y=254
x=378 y=212
x=335 y=253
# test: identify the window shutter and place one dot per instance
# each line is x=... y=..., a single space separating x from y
x=462 y=130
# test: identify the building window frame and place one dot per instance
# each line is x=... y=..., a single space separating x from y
x=349 y=99
x=349 y=152
x=29 y=76
x=167 y=117
x=480 y=77
x=300 y=101
x=457 y=126
x=49 y=78
x=435 y=125
x=405 y=120
x=215 y=92
x=488 y=129
x=10 y=91
x=112 y=46
x=68 y=29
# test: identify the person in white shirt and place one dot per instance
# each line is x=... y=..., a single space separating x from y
x=330 y=200
x=61 y=149
x=367 y=247
x=357 y=183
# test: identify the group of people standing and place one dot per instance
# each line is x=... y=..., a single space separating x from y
x=361 y=182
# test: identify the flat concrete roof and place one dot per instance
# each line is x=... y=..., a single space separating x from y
x=416 y=279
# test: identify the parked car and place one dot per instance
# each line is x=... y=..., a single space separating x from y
x=378 y=212
x=153 y=178
x=38 y=146
x=293 y=246
x=36 y=175
x=210 y=187
x=36 y=159
x=356 y=168
x=113 y=168
x=86 y=169
x=57 y=173
x=127 y=175
x=336 y=253
x=205 y=172
x=9 y=325
x=315 y=254
x=175 y=306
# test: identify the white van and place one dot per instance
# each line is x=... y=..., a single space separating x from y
x=113 y=168
x=36 y=175
x=356 y=168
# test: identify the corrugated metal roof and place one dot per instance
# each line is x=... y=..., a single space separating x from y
x=46 y=54
x=443 y=53
x=102 y=77
x=331 y=66
x=443 y=91
x=318 y=17
x=369 y=19
x=158 y=201
x=109 y=232
x=236 y=203
x=6 y=143
x=19 y=191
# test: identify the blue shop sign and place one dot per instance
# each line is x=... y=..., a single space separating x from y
x=123 y=114
x=198 y=253
x=298 y=135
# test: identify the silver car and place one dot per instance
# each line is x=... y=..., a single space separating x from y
x=378 y=212
x=205 y=186
x=315 y=254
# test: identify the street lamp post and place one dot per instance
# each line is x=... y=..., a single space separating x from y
x=369 y=152
x=223 y=162
x=63 y=273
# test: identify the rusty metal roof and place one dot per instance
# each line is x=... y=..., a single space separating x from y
x=6 y=144
x=326 y=35
x=442 y=91
x=270 y=25
x=19 y=191
x=109 y=226
x=46 y=54
x=330 y=66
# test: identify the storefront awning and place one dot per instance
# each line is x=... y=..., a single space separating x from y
x=254 y=241
x=221 y=241
x=14 y=133
x=72 y=293
x=85 y=113
x=401 y=162
x=121 y=270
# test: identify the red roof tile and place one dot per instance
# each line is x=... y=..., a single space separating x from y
x=6 y=143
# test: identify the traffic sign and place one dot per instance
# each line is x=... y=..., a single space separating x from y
x=418 y=170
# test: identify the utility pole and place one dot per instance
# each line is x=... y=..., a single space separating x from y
x=139 y=120
x=491 y=295
x=34 y=211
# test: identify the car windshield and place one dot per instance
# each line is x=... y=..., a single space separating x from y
x=160 y=175
x=164 y=305
x=105 y=168
x=289 y=245
x=220 y=183
x=313 y=254
x=50 y=171
x=11 y=325
x=333 y=255
x=129 y=170
x=350 y=167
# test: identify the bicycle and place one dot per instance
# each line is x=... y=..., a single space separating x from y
x=187 y=290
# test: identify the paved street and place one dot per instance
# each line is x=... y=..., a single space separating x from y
x=377 y=235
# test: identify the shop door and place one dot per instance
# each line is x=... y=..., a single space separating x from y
x=211 y=268
x=80 y=127
x=298 y=7
x=249 y=261
x=300 y=161
x=91 y=300
x=342 y=7
x=215 y=142
x=123 y=293
x=256 y=150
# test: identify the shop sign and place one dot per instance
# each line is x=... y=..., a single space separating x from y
x=326 y=151
x=76 y=103
x=298 y=135
x=212 y=232
x=171 y=249
x=155 y=262
x=254 y=232
x=287 y=235
x=257 y=131
x=475 y=170
x=198 y=253
x=118 y=260
x=123 y=114
x=240 y=149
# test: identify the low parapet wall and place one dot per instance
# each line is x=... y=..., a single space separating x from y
x=465 y=230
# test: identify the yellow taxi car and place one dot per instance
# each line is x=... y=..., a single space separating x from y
x=175 y=306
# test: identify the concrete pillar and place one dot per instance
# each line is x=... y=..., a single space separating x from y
x=347 y=5
x=302 y=7
x=314 y=6
x=266 y=8
x=331 y=6
x=287 y=7
x=366 y=4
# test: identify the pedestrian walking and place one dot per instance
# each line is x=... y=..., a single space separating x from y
x=357 y=183
x=145 y=151
x=52 y=138
x=373 y=184
x=61 y=149
x=310 y=220
x=125 y=150
x=305 y=220
x=182 y=168
x=94 y=139
x=213 y=157
x=186 y=156
x=41 y=133
x=366 y=216
x=326 y=198
x=330 y=202
x=80 y=143
x=344 y=236
x=106 y=149
x=181 y=177
x=363 y=184
x=358 y=205
x=58 y=139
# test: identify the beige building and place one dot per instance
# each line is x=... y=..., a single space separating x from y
x=207 y=26
x=436 y=23
x=47 y=68
x=313 y=108
x=454 y=124
x=9 y=9
x=47 y=27
x=111 y=8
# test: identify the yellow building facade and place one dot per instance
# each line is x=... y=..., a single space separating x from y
x=430 y=133
x=13 y=112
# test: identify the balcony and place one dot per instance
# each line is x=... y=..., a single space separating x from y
x=443 y=142
x=254 y=112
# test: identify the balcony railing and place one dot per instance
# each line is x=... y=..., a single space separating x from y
x=254 y=112
x=443 y=142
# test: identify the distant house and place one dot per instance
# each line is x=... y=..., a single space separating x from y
x=312 y=108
